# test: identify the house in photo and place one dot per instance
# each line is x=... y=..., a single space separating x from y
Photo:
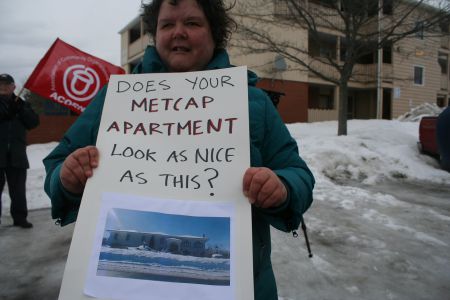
x=175 y=244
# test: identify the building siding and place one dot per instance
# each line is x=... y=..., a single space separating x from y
x=294 y=80
x=293 y=106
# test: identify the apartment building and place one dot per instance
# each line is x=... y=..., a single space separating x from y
x=412 y=71
x=156 y=241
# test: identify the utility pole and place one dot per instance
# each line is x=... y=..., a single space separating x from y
x=379 y=63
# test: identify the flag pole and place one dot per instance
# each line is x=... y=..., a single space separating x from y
x=18 y=95
x=23 y=87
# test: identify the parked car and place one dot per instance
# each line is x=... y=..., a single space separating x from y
x=427 y=136
x=434 y=137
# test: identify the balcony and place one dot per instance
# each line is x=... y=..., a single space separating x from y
x=323 y=68
x=368 y=73
x=362 y=73
x=138 y=46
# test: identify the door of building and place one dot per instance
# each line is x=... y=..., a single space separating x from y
x=387 y=104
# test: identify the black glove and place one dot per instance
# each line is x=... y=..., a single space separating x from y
x=4 y=107
x=16 y=106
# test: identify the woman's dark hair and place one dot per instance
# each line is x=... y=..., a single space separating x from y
x=215 y=11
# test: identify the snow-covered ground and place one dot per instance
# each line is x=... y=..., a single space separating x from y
x=374 y=151
x=379 y=225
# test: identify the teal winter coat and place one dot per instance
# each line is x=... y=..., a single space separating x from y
x=271 y=146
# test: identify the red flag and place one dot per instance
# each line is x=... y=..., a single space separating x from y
x=70 y=76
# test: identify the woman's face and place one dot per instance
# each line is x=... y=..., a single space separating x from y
x=183 y=36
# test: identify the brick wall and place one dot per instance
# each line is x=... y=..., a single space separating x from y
x=293 y=107
x=51 y=129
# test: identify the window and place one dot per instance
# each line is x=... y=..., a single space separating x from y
x=440 y=101
x=444 y=25
x=360 y=9
x=418 y=75
x=419 y=29
x=322 y=45
x=371 y=8
x=321 y=97
x=387 y=54
x=443 y=62
x=134 y=33
x=366 y=52
x=387 y=7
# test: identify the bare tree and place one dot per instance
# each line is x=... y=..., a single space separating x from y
x=358 y=28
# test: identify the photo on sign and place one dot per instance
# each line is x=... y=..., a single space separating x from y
x=167 y=247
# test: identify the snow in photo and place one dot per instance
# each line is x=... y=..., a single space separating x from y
x=166 y=247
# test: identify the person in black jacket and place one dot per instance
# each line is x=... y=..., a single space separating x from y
x=16 y=116
x=443 y=138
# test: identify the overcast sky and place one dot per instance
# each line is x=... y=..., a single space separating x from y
x=29 y=27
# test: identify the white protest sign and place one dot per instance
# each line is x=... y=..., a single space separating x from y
x=173 y=150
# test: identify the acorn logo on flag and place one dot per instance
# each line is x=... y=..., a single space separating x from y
x=70 y=76
x=81 y=82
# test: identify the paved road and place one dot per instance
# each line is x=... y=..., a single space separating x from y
x=370 y=246
x=366 y=250
x=32 y=260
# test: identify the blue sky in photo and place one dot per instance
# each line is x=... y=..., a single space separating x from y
x=217 y=229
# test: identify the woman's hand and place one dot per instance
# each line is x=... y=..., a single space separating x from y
x=78 y=167
x=263 y=188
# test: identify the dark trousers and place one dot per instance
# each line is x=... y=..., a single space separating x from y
x=16 y=178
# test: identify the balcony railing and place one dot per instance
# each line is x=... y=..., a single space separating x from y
x=319 y=115
x=323 y=68
x=361 y=73
x=364 y=73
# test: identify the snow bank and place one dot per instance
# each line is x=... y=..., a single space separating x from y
x=373 y=150
x=425 y=109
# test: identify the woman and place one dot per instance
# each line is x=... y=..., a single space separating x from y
x=190 y=35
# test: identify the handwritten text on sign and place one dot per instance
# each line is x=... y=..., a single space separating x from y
x=181 y=131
